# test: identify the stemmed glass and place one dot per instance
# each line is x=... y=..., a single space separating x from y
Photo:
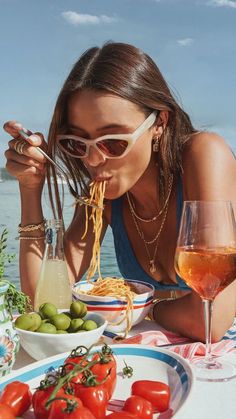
x=205 y=259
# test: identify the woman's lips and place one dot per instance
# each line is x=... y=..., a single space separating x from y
x=102 y=178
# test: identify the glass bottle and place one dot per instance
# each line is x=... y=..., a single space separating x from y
x=53 y=284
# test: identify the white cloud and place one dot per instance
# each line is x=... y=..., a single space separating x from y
x=75 y=18
x=185 y=42
x=222 y=3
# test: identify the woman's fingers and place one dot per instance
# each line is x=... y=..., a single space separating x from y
x=22 y=148
x=13 y=128
x=24 y=160
x=20 y=170
x=25 y=146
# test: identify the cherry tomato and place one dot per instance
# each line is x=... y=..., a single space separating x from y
x=95 y=398
x=81 y=413
x=6 y=412
x=122 y=415
x=69 y=407
x=139 y=406
x=17 y=396
x=106 y=368
x=154 y=391
x=71 y=361
x=40 y=397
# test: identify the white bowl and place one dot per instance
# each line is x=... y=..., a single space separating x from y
x=42 y=345
x=114 y=309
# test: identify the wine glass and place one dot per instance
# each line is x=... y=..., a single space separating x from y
x=205 y=259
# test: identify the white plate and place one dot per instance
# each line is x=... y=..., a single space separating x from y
x=148 y=363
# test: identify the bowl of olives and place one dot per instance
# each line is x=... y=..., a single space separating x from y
x=51 y=331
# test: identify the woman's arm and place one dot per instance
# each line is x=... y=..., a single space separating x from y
x=29 y=169
x=209 y=173
x=185 y=315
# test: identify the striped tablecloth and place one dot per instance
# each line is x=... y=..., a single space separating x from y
x=149 y=333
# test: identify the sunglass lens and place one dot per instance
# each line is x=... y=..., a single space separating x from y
x=112 y=147
x=77 y=148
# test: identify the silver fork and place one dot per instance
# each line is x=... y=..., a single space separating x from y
x=78 y=198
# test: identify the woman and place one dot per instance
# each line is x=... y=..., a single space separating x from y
x=112 y=91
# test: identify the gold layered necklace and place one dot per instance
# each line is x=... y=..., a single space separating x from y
x=136 y=218
x=149 y=220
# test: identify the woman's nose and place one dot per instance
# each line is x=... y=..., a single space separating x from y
x=94 y=158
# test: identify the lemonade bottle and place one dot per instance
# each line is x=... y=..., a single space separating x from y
x=53 y=284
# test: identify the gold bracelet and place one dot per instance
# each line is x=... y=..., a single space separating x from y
x=32 y=227
x=30 y=237
x=155 y=303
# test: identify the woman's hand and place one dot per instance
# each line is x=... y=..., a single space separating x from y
x=24 y=161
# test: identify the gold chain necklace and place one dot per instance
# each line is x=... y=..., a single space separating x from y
x=152 y=264
x=149 y=220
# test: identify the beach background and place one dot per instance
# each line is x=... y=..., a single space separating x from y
x=192 y=42
x=10 y=216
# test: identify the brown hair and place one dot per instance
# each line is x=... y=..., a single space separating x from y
x=131 y=74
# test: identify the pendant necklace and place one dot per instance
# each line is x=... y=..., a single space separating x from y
x=149 y=220
x=152 y=265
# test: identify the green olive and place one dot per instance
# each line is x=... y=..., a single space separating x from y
x=67 y=313
x=78 y=309
x=47 y=328
x=25 y=321
x=60 y=332
x=89 y=325
x=47 y=310
x=37 y=322
x=75 y=325
x=60 y=321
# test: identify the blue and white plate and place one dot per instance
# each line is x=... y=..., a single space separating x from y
x=147 y=363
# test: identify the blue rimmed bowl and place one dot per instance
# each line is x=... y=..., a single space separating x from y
x=114 y=309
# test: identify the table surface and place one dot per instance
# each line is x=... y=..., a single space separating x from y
x=208 y=400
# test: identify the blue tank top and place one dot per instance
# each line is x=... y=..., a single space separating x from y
x=127 y=262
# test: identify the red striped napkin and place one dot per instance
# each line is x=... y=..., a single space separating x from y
x=179 y=344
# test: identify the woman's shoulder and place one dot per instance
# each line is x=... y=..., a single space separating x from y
x=208 y=165
x=205 y=139
x=206 y=145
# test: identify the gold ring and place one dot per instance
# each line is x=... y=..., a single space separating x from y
x=19 y=146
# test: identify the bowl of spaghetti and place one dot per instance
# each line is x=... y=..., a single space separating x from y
x=123 y=303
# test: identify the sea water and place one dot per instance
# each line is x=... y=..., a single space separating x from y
x=10 y=218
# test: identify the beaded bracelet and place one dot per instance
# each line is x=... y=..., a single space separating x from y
x=32 y=227
x=31 y=237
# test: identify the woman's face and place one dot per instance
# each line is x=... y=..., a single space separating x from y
x=92 y=114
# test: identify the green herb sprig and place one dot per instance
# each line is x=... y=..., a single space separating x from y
x=15 y=300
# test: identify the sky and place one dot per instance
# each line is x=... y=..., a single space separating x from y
x=193 y=43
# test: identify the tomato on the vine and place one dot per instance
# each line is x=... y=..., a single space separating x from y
x=40 y=398
x=122 y=415
x=95 y=398
x=69 y=407
x=106 y=368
